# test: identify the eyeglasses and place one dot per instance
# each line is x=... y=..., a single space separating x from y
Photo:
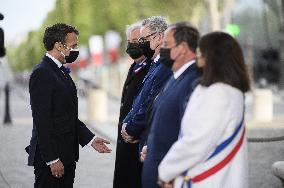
x=133 y=41
x=143 y=40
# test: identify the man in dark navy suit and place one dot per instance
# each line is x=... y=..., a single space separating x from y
x=57 y=131
x=128 y=168
x=177 y=53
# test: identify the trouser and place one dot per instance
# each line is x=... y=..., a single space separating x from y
x=150 y=172
x=128 y=168
x=44 y=178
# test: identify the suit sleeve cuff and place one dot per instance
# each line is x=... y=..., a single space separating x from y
x=90 y=143
x=130 y=130
x=52 y=162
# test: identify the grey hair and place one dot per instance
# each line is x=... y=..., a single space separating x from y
x=156 y=23
x=130 y=28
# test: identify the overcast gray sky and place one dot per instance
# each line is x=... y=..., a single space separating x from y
x=22 y=16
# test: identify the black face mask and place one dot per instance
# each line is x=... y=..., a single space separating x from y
x=133 y=50
x=165 y=57
x=147 y=51
x=72 y=56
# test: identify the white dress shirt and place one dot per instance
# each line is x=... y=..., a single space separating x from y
x=157 y=58
x=183 y=68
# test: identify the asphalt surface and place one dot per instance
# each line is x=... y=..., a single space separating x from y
x=95 y=170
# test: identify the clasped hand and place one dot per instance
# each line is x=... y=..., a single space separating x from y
x=126 y=137
x=57 y=169
x=143 y=153
x=163 y=184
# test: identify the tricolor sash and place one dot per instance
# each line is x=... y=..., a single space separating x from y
x=187 y=180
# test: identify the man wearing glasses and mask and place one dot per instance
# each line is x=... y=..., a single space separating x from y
x=134 y=128
x=57 y=131
x=127 y=172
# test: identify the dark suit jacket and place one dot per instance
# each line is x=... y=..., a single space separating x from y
x=127 y=171
x=57 y=131
x=168 y=110
x=132 y=86
x=153 y=82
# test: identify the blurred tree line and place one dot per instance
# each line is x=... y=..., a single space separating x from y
x=95 y=18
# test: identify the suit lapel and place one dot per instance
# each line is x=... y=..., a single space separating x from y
x=187 y=71
x=151 y=70
x=65 y=78
x=50 y=63
x=72 y=84
x=130 y=75
x=181 y=77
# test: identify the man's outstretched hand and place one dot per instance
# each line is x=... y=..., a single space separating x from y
x=99 y=144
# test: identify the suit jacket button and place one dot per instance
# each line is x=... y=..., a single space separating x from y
x=121 y=105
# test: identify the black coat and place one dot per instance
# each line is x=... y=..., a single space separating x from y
x=127 y=173
x=57 y=131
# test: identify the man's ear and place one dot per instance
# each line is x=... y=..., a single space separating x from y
x=58 y=46
x=184 y=47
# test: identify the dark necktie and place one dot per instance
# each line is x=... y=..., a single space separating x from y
x=66 y=72
x=69 y=80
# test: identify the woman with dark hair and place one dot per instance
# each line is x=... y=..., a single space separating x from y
x=212 y=150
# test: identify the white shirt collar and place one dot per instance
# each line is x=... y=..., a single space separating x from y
x=183 y=68
x=157 y=58
x=54 y=60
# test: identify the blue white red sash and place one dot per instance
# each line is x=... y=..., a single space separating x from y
x=212 y=170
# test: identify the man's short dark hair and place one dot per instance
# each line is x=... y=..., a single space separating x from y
x=185 y=32
x=57 y=33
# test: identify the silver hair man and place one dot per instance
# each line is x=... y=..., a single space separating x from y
x=152 y=33
x=132 y=36
x=156 y=23
x=129 y=28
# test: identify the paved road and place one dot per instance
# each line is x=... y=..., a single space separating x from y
x=261 y=157
x=95 y=170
